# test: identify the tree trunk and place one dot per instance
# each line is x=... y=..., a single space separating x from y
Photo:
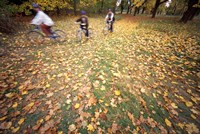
x=157 y=4
x=58 y=11
x=174 y=10
x=138 y=10
x=190 y=12
x=122 y=8
x=135 y=12
x=102 y=4
x=155 y=8
x=143 y=10
x=75 y=4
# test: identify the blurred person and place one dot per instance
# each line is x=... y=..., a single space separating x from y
x=43 y=20
x=83 y=20
x=110 y=18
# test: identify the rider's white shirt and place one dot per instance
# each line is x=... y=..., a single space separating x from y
x=40 y=18
x=111 y=17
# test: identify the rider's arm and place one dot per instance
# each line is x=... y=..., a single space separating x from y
x=106 y=17
x=79 y=20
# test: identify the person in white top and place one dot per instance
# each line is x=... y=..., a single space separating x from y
x=110 y=19
x=43 y=20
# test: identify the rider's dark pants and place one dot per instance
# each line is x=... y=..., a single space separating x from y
x=111 y=25
x=86 y=30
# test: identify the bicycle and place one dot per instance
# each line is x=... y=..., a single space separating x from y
x=107 y=28
x=36 y=36
x=81 y=33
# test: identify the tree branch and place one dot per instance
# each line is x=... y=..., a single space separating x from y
x=163 y=2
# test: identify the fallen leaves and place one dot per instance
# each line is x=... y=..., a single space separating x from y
x=77 y=105
x=21 y=121
x=72 y=127
x=29 y=106
x=158 y=79
x=168 y=123
x=5 y=125
x=90 y=127
x=117 y=92
x=188 y=104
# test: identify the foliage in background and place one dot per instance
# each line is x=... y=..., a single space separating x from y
x=7 y=25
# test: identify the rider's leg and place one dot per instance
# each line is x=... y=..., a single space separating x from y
x=86 y=30
x=86 y=33
x=111 y=27
x=46 y=29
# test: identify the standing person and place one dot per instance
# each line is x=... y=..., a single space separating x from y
x=43 y=20
x=110 y=18
x=84 y=23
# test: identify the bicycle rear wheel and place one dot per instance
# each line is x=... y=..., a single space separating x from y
x=60 y=35
x=106 y=30
x=35 y=37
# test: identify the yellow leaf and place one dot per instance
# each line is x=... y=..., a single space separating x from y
x=77 y=106
x=181 y=125
x=14 y=130
x=106 y=104
x=117 y=92
x=174 y=105
x=24 y=92
x=15 y=105
x=3 y=118
x=29 y=106
x=101 y=101
x=40 y=121
x=60 y=132
x=21 y=121
x=154 y=95
x=90 y=127
x=193 y=116
x=21 y=87
x=168 y=122
x=188 y=104
x=48 y=85
x=9 y=95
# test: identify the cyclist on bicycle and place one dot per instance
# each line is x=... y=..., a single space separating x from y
x=110 y=18
x=83 y=20
x=43 y=20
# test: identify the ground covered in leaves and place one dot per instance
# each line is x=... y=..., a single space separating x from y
x=143 y=78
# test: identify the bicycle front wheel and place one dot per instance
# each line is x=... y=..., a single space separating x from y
x=60 y=35
x=35 y=37
x=91 y=32
x=79 y=35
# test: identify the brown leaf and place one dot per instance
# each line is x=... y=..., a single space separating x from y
x=131 y=117
x=103 y=116
x=49 y=124
x=5 y=125
x=92 y=101
x=115 y=128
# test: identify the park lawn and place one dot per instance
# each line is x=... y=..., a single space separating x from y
x=143 y=77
